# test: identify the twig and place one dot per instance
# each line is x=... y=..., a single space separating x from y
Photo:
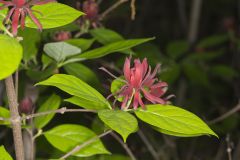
x=15 y=118
x=61 y=111
x=124 y=145
x=194 y=20
x=227 y=114
x=229 y=147
x=79 y=147
x=148 y=144
x=110 y=9
x=133 y=9
x=16 y=84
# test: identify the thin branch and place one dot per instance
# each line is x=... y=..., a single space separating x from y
x=60 y=111
x=148 y=144
x=79 y=147
x=16 y=84
x=227 y=114
x=133 y=9
x=110 y=9
x=124 y=145
x=15 y=118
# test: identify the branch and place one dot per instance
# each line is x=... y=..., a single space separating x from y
x=148 y=144
x=227 y=114
x=124 y=145
x=15 y=118
x=60 y=111
x=110 y=9
x=133 y=9
x=79 y=147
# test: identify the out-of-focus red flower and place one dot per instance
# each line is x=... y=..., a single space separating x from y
x=90 y=8
x=20 y=9
x=140 y=82
x=26 y=106
x=62 y=36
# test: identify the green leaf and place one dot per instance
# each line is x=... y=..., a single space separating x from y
x=30 y=42
x=52 y=103
x=4 y=113
x=83 y=72
x=66 y=137
x=122 y=122
x=46 y=61
x=4 y=154
x=116 y=85
x=53 y=15
x=224 y=71
x=196 y=74
x=76 y=87
x=212 y=41
x=177 y=49
x=171 y=73
x=204 y=56
x=10 y=55
x=84 y=44
x=105 y=36
x=174 y=120
x=3 y=14
x=85 y=103
x=59 y=51
x=176 y=133
x=111 y=48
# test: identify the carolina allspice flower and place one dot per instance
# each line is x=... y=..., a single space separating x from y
x=140 y=82
x=20 y=9
x=90 y=7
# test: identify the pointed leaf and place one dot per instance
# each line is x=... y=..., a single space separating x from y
x=4 y=113
x=76 y=87
x=174 y=120
x=122 y=122
x=10 y=55
x=53 y=15
x=59 y=51
x=81 y=43
x=66 y=137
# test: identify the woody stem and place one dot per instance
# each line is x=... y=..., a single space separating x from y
x=15 y=118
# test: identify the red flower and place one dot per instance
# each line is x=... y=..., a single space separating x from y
x=20 y=9
x=140 y=82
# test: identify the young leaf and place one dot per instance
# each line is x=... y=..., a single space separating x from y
x=66 y=137
x=105 y=36
x=174 y=120
x=4 y=154
x=52 y=103
x=85 y=103
x=53 y=15
x=111 y=48
x=122 y=122
x=81 y=43
x=10 y=55
x=59 y=51
x=76 y=87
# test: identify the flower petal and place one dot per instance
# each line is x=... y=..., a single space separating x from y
x=15 y=20
x=35 y=20
x=153 y=98
x=126 y=69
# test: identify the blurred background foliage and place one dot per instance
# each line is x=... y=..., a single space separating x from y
x=197 y=43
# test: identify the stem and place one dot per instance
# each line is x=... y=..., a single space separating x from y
x=79 y=147
x=110 y=9
x=133 y=9
x=124 y=145
x=15 y=118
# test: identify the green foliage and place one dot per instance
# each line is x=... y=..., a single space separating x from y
x=10 y=55
x=212 y=41
x=81 y=43
x=67 y=136
x=116 y=85
x=177 y=49
x=122 y=122
x=174 y=121
x=4 y=113
x=52 y=103
x=53 y=15
x=4 y=154
x=30 y=42
x=76 y=87
x=59 y=51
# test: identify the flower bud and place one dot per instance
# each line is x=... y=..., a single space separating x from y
x=90 y=8
x=26 y=106
x=62 y=36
